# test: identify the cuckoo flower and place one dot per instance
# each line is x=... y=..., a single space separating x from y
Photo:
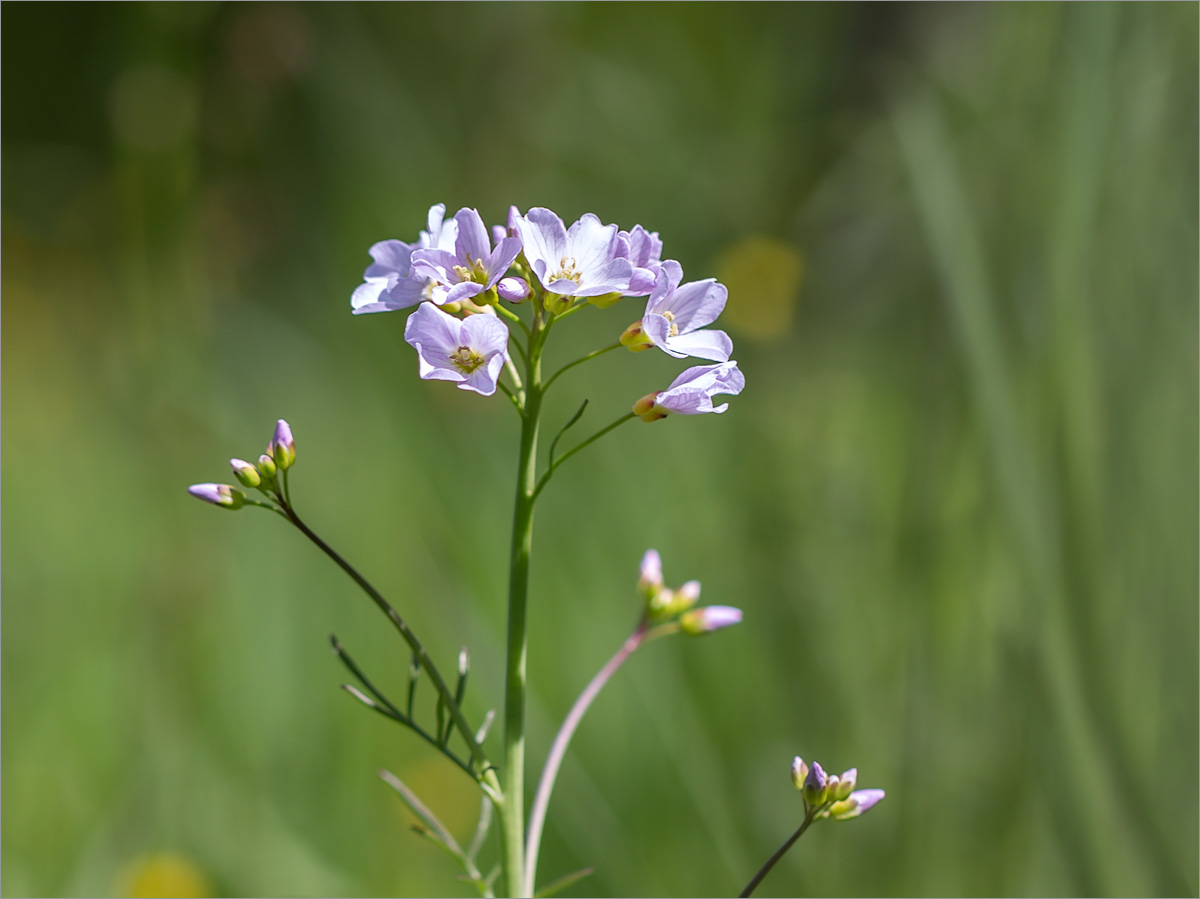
x=583 y=261
x=644 y=251
x=675 y=313
x=470 y=351
x=692 y=392
x=390 y=282
x=472 y=267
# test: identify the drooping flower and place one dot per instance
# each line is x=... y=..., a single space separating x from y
x=389 y=282
x=644 y=251
x=470 y=351
x=692 y=392
x=472 y=267
x=675 y=313
x=583 y=261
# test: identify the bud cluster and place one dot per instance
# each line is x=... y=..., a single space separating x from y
x=280 y=456
x=664 y=604
x=831 y=795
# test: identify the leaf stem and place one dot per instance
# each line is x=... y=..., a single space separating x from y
x=555 y=463
x=554 y=377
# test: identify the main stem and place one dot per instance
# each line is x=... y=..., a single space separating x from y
x=779 y=853
x=512 y=831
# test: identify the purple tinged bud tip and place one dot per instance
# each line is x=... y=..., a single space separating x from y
x=846 y=784
x=799 y=772
x=246 y=473
x=282 y=447
x=651 y=581
x=514 y=290
x=219 y=495
x=709 y=619
x=855 y=804
x=266 y=466
x=814 y=785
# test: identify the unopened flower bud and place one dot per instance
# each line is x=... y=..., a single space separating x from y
x=282 y=448
x=514 y=290
x=845 y=785
x=646 y=408
x=604 y=300
x=499 y=232
x=799 y=772
x=634 y=339
x=464 y=662
x=650 y=580
x=557 y=305
x=685 y=597
x=709 y=619
x=814 y=786
x=266 y=467
x=246 y=473
x=855 y=804
x=219 y=495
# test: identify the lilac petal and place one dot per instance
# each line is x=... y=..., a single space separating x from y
x=369 y=297
x=544 y=238
x=865 y=799
x=499 y=232
x=434 y=334
x=496 y=264
x=511 y=222
x=441 y=234
x=436 y=265
x=658 y=329
x=697 y=304
x=707 y=344
x=464 y=290
x=514 y=290
x=687 y=401
x=593 y=244
x=391 y=257
x=473 y=242
x=612 y=277
x=485 y=334
x=406 y=293
x=641 y=282
x=722 y=378
x=483 y=379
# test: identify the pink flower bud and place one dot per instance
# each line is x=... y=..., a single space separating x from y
x=219 y=495
x=708 y=619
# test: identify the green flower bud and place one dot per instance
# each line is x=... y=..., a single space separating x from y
x=799 y=772
x=246 y=473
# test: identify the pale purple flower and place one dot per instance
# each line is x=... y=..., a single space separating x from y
x=219 y=495
x=675 y=313
x=855 y=804
x=472 y=267
x=583 y=261
x=644 y=251
x=470 y=351
x=389 y=282
x=707 y=619
x=692 y=392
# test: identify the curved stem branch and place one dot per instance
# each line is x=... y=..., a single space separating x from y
x=779 y=853
x=554 y=377
x=485 y=774
x=541 y=800
x=555 y=463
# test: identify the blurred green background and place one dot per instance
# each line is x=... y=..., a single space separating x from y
x=957 y=501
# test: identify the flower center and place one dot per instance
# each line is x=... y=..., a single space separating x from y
x=670 y=317
x=472 y=271
x=466 y=359
x=567 y=271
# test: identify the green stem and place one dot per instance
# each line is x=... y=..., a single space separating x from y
x=512 y=812
x=554 y=463
x=770 y=863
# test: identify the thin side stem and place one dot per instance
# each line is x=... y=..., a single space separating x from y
x=485 y=774
x=582 y=359
x=555 y=463
x=558 y=749
x=779 y=853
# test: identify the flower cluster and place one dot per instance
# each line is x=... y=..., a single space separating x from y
x=457 y=272
x=831 y=796
x=279 y=457
x=664 y=604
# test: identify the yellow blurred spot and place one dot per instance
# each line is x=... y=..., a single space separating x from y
x=763 y=276
x=164 y=874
